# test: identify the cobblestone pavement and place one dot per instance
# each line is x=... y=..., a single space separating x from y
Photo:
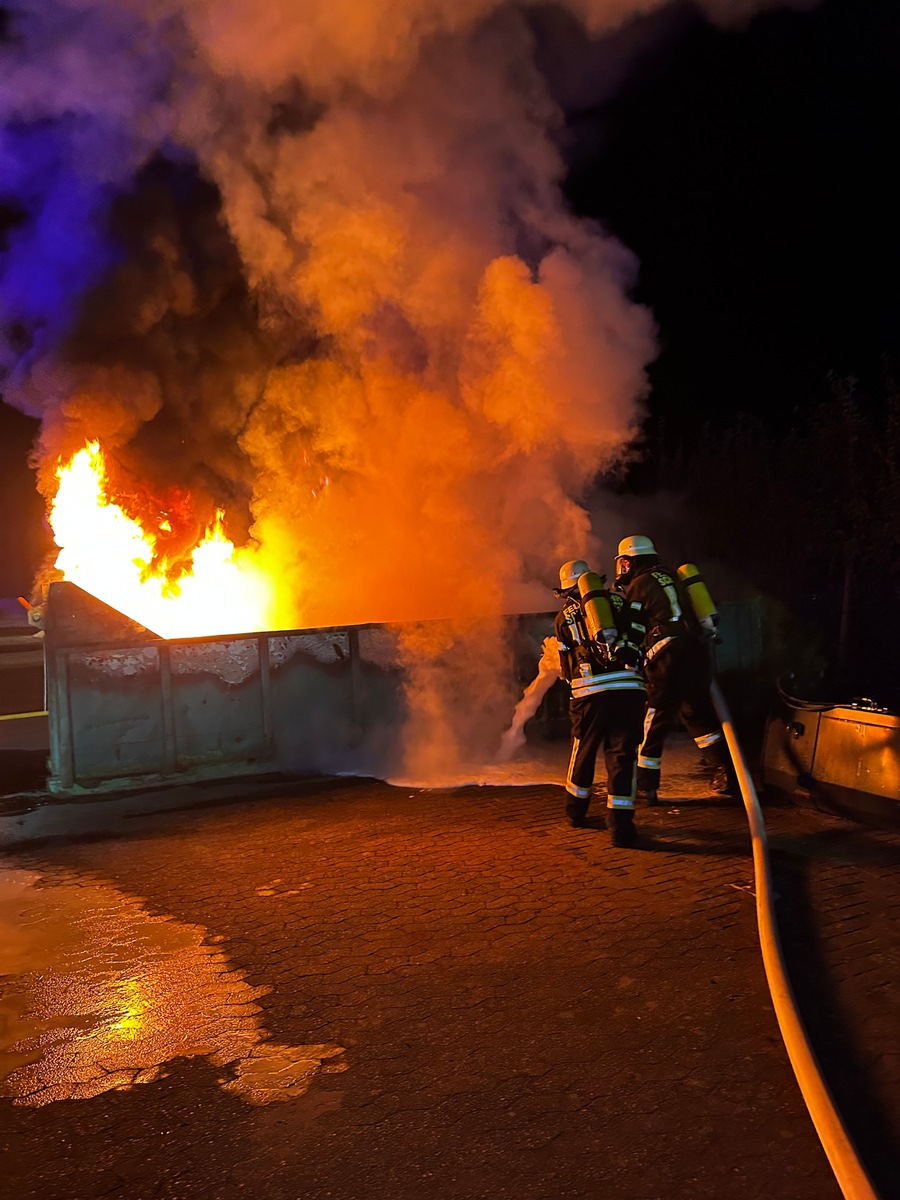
x=344 y=990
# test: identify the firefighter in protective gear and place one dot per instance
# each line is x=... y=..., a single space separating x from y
x=677 y=666
x=598 y=636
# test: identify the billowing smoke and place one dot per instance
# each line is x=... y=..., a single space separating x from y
x=310 y=262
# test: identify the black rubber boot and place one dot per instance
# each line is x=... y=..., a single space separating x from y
x=723 y=779
x=724 y=782
x=624 y=833
x=648 y=786
x=647 y=779
x=576 y=811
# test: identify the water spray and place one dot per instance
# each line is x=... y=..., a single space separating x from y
x=548 y=672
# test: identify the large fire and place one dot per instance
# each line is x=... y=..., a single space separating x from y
x=216 y=589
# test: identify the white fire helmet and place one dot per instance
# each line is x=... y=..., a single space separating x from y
x=570 y=572
x=634 y=547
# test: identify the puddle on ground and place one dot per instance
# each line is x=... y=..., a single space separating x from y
x=97 y=994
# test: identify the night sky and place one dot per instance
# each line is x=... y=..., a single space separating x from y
x=750 y=172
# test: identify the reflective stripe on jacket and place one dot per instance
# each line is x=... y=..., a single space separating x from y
x=607 y=681
x=667 y=611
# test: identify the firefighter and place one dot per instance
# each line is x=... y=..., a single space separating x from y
x=598 y=635
x=677 y=667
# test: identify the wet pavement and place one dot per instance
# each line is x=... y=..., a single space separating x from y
x=102 y=995
x=346 y=989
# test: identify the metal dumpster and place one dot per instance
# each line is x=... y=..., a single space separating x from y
x=842 y=758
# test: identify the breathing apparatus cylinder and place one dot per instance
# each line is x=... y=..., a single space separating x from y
x=598 y=613
x=698 y=593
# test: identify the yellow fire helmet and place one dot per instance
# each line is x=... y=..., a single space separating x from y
x=570 y=572
x=634 y=547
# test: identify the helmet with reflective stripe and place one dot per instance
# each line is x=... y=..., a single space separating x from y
x=634 y=547
x=570 y=572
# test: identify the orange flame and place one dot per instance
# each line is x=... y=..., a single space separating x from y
x=111 y=555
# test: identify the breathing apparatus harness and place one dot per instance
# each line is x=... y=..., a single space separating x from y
x=702 y=617
x=590 y=615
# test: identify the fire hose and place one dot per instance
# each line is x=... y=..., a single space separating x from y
x=849 y=1172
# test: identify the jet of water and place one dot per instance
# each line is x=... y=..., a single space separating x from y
x=548 y=672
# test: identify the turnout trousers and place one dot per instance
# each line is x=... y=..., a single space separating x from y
x=678 y=681
x=610 y=721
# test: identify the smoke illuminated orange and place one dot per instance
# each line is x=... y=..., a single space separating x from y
x=115 y=558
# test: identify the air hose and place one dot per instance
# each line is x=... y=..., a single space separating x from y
x=806 y=705
x=849 y=1172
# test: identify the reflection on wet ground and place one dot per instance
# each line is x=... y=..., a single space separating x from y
x=98 y=994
